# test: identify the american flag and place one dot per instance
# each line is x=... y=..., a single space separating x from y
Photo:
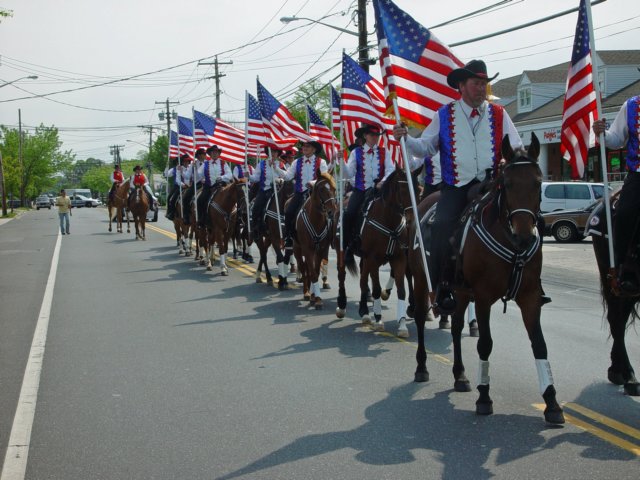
x=255 y=126
x=185 y=136
x=211 y=131
x=203 y=128
x=335 y=109
x=319 y=130
x=362 y=101
x=174 y=152
x=579 y=109
x=278 y=120
x=414 y=65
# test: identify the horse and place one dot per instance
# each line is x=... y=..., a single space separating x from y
x=240 y=237
x=139 y=206
x=221 y=215
x=184 y=231
x=621 y=311
x=500 y=258
x=271 y=237
x=117 y=204
x=313 y=235
x=384 y=239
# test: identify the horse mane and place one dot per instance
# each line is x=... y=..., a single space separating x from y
x=328 y=178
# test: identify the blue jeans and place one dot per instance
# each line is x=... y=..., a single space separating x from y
x=64 y=218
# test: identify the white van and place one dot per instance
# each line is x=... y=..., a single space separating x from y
x=572 y=195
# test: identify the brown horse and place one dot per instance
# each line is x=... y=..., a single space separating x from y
x=313 y=235
x=500 y=258
x=271 y=237
x=139 y=206
x=184 y=231
x=240 y=239
x=221 y=213
x=117 y=204
x=621 y=310
x=385 y=239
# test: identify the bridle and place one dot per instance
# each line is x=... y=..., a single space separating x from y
x=502 y=189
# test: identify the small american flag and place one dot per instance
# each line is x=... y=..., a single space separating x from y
x=174 y=151
x=579 y=109
x=414 y=65
x=185 y=136
x=321 y=132
x=278 y=120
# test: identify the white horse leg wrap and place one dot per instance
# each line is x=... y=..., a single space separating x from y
x=401 y=309
x=377 y=306
x=316 y=289
x=281 y=270
x=471 y=312
x=323 y=269
x=483 y=372
x=390 y=283
x=223 y=259
x=545 y=378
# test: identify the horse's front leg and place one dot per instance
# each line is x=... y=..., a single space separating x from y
x=222 y=250
x=315 y=279
x=530 y=308
x=621 y=372
x=374 y=273
x=342 y=292
x=420 y=292
x=460 y=381
x=363 y=307
x=401 y=312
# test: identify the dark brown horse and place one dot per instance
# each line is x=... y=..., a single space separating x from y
x=313 y=235
x=240 y=238
x=621 y=311
x=221 y=218
x=117 y=204
x=139 y=206
x=385 y=239
x=500 y=258
x=271 y=237
x=184 y=231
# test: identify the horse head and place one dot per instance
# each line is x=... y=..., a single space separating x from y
x=395 y=192
x=518 y=187
x=324 y=191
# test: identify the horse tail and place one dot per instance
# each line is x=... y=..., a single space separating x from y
x=351 y=265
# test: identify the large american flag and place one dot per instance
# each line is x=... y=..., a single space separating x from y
x=322 y=133
x=362 y=101
x=414 y=64
x=212 y=131
x=579 y=109
x=256 y=133
x=174 y=151
x=278 y=120
x=185 y=136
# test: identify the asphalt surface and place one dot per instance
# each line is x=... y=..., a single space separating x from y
x=156 y=369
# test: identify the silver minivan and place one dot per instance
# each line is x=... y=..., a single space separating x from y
x=564 y=195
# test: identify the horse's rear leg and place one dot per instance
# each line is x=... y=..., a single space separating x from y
x=386 y=291
x=401 y=312
x=378 y=324
x=363 y=308
x=621 y=372
x=342 y=293
x=460 y=381
x=420 y=288
x=324 y=271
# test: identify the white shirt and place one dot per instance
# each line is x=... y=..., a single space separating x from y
x=215 y=172
x=308 y=173
x=618 y=133
x=181 y=174
x=269 y=173
x=370 y=165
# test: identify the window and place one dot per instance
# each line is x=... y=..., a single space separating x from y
x=578 y=192
x=524 y=97
x=554 y=191
x=598 y=191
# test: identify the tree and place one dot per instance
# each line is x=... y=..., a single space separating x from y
x=317 y=96
x=159 y=153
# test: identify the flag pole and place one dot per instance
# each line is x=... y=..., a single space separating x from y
x=195 y=161
x=246 y=159
x=275 y=196
x=341 y=198
x=603 y=153
x=179 y=165
x=414 y=206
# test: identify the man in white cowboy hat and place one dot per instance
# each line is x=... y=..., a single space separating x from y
x=303 y=171
x=367 y=168
x=468 y=135
x=214 y=174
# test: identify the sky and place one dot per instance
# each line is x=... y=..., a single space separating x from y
x=80 y=43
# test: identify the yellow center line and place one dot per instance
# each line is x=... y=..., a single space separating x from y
x=609 y=422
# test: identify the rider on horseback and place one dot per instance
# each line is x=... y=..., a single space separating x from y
x=187 y=196
x=214 y=175
x=468 y=134
x=263 y=176
x=140 y=179
x=117 y=177
x=303 y=170
x=181 y=178
x=625 y=133
x=368 y=166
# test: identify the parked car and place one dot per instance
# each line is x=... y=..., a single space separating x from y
x=152 y=214
x=79 y=201
x=43 y=202
x=568 y=225
x=569 y=195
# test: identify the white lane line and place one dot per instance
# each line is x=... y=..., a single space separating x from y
x=15 y=461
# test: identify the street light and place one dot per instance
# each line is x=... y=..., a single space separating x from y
x=30 y=77
x=293 y=19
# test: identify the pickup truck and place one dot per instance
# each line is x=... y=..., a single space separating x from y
x=43 y=201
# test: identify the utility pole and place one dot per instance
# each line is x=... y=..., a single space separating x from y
x=168 y=115
x=115 y=151
x=4 y=193
x=217 y=77
x=20 y=157
x=150 y=129
x=363 y=48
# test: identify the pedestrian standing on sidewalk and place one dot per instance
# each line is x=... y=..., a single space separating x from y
x=64 y=211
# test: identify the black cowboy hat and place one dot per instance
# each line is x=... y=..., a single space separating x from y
x=185 y=156
x=201 y=151
x=368 y=128
x=136 y=168
x=213 y=148
x=287 y=152
x=315 y=144
x=475 y=68
x=117 y=165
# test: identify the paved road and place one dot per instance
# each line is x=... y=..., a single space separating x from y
x=156 y=369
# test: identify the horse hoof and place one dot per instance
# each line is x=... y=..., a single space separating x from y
x=421 y=377
x=411 y=311
x=384 y=295
x=281 y=286
x=444 y=325
x=258 y=279
x=224 y=273
x=378 y=326
x=632 y=389
x=340 y=312
x=403 y=333
x=202 y=262
x=270 y=282
x=615 y=377
x=180 y=252
x=326 y=286
x=318 y=306
x=306 y=297
x=430 y=316
x=473 y=329
x=366 y=320
x=209 y=268
x=462 y=386
x=554 y=416
x=484 y=408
